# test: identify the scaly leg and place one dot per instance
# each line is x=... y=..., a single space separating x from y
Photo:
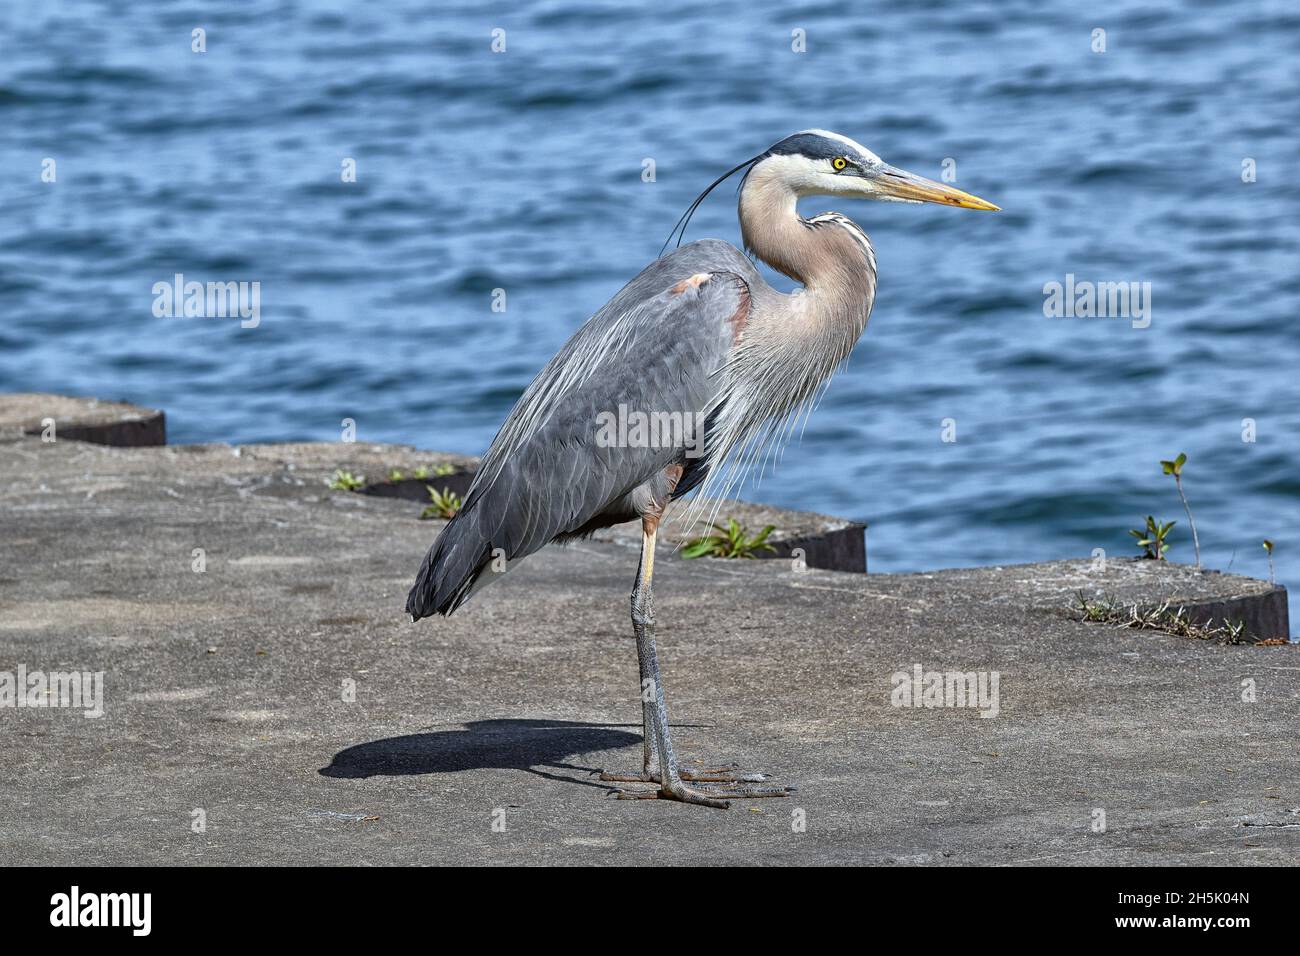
x=658 y=738
x=648 y=774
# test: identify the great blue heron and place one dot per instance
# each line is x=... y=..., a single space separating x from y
x=698 y=334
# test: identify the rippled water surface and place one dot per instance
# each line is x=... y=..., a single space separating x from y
x=522 y=171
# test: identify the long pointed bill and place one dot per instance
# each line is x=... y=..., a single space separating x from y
x=900 y=184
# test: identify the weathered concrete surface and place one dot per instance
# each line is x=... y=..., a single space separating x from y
x=81 y=419
x=223 y=693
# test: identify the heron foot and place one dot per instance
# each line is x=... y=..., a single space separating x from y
x=728 y=773
x=718 y=795
x=706 y=786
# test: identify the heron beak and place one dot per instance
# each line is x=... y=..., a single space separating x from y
x=890 y=182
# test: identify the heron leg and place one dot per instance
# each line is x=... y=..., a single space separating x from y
x=658 y=744
x=648 y=772
x=649 y=769
x=648 y=666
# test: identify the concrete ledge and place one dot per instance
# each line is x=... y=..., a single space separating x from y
x=832 y=544
x=225 y=690
x=81 y=419
x=823 y=542
x=417 y=489
x=1266 y=615
x=1209 y=597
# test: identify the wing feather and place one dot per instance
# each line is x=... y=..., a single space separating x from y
x=654 y=348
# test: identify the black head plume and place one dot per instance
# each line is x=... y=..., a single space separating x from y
x=679 y=230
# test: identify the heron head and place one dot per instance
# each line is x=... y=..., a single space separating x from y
x=819 y=163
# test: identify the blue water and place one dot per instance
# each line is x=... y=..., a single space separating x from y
x=522 y=170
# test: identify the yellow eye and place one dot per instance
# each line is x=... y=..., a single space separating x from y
x=839 y=162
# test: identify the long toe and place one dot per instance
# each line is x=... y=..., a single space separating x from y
x=696 y=795
x=729 y=774
x=740 y=791
x=726 y=773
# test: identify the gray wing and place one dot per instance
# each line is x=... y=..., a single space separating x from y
x=653 y=348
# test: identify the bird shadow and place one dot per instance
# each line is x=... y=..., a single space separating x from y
x=510 y=744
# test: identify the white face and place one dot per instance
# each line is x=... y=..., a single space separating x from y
x=823 y=177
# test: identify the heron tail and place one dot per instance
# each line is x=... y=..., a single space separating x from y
x=452 y=570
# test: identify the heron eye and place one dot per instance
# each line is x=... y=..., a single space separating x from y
x=839 y=162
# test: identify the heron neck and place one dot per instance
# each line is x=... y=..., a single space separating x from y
x=828 y=254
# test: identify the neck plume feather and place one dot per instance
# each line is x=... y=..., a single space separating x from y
x=792 y=343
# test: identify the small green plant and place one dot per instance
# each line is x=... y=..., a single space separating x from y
x=1268 y=549
x=445 y=504
x=1152 y=538
x=1175 y=468
x=731 y=541
x=346 y=481
x=437 y=471
x=395 y=475
x=1098 y=611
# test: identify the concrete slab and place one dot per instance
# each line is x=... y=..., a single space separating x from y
x=225 y=693
x=80 y=419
